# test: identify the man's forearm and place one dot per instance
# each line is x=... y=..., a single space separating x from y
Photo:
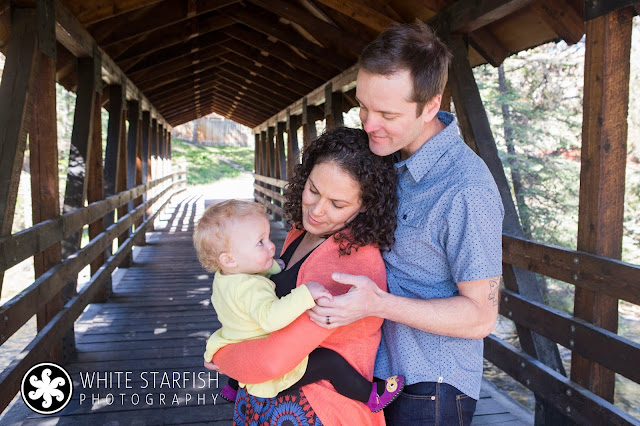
x=470 y=315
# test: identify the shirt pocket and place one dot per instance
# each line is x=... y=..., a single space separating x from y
x=409 y=231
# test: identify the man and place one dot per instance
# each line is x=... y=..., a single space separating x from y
x=443 y=271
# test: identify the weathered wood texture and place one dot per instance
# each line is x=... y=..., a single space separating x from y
x=17 y=83
x=117 y=99
x=53 y=281
x=602 y=174
x=45 y=200
x=293 y=150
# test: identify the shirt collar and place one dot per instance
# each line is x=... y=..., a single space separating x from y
x=430 y=152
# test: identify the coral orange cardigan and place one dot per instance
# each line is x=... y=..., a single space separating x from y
x=259 y=360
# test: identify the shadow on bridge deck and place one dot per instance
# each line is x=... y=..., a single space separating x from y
x=139 y=356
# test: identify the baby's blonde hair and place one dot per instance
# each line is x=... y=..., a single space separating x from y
x=211 y=237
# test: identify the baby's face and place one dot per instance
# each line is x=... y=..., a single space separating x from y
x=250 y=245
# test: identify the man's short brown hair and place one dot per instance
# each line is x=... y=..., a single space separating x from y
x=415 y=48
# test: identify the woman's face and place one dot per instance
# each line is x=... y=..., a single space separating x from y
x=330 y=199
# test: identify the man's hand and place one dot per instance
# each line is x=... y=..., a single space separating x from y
x=317 y=291
x=359 y=302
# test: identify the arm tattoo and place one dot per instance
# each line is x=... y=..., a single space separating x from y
x=494 y=284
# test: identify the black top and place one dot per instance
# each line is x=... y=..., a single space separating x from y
x=286 y=280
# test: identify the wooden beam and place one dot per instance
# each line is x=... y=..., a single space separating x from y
x=89 y=12
x=465 y=16
x=562 y=18
x=273 y=63
x=281 y=159
x=278 y=99
x=43 y=160
x=488 y=46
x=121 y=185
x=362 y=13
x=270 y=25
x=602 y=174
x=158 y=83
x=274 y=77
x=308 y=123
x=134 y=116
x=173 y=53
x=177 y=34
x=332 y=107
x=154 y=18
x=327 y=34
x=117 y=100
x=18 y=80
x=259 y=81
x=477 y=133
x=256 y=153
x=177 y=64
x=293 y=151
x=75 y=195
x=281 y=51
x=73 y=36
x=95 y=192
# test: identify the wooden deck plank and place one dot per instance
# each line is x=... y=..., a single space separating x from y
x=158 y=320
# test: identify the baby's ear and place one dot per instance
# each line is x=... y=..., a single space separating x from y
x=226 y=260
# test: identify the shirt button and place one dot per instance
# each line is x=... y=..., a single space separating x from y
x=404 y=217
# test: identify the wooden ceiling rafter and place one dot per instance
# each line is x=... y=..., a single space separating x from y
x=327 y=34
x=251 y=86
x=179 y=63
x=269 y=24
x=362 y=13
x=90 y=12
x=195 y=71
x=274 y=77
x=274 y=64
x=173 y=35
x=488 y=46
x=562 y=18
x=281 y=51
x=251 y=93
x=259 y=81
x=175 y=52
x=154 y=18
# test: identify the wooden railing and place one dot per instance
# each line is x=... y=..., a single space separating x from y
x=599 y=274
x=13 y=249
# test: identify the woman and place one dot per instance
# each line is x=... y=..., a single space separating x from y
x=341 y=202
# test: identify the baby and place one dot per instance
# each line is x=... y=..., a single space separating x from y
x=232 y=239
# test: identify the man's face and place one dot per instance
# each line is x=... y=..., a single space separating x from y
x=389 y=115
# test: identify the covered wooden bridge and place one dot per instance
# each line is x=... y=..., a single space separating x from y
x=275 y=66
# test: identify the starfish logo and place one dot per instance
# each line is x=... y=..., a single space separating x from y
x=46 y=388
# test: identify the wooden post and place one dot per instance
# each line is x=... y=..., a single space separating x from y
x=121 y=183
x=263 y=153
x=133 y=140
x=271 y=160
x=308 y=123
x=43 y=160
x=602 y=175
x=256 y=153
x=332 y=107
x=95 y=191
x=138 y=172
x=146 y=167
x=477 y=132
x=445 y=105
x=281 y=159
x=117 y=98
x=17 y=83
x=293 y=151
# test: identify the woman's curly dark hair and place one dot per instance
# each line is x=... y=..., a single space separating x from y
x=349 y=149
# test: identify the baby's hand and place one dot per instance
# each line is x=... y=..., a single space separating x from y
x=281 y=263
x=317 y=290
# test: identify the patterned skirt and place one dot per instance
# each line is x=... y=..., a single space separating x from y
x=289 y=408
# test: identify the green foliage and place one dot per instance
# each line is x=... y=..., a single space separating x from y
x=207 y=164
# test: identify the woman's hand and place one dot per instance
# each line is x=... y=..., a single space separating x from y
x=359 y=302
x=212 y=366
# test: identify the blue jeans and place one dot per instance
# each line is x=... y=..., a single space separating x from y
x=430 y=403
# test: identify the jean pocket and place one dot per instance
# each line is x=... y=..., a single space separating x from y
x=466 y=407
x=411 y=409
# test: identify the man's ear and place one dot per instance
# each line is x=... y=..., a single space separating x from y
x=226 y=260
x=431 y=108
